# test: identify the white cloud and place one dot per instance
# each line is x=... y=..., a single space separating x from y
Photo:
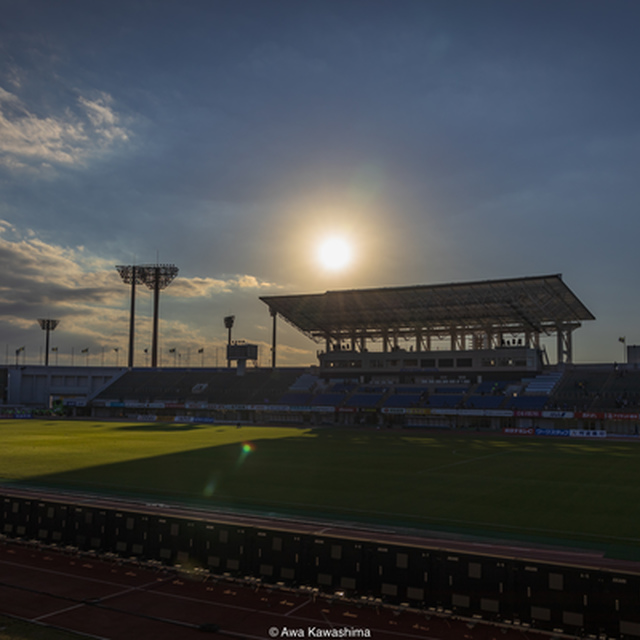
x=103 y=118
x=28 y=140
x=85 y=292
x=200 y=287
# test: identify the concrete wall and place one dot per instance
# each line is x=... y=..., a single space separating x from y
x=34 y=385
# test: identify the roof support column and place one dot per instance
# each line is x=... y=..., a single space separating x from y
x=532 y=339
x=564 y=334
x=385 y=340
x=418 y=339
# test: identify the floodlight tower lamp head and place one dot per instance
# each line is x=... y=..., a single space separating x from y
x=127 y=273
x=158 y=276
x=47 y=324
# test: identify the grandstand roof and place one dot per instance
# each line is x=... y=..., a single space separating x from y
x=539 y=304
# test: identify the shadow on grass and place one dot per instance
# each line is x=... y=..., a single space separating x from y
x=371 y=478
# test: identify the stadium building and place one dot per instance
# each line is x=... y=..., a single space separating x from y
x=487 y=326
x=462 y=355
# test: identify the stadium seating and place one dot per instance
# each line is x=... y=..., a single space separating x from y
x=329 y=399
x=484 y=402
x=406 y=400
x=364 y=400
x=491 y=386
x=543 y=384
x=343 y=387
x=526 y=403
x=448 y=401
x=576 y=388
x=201 y=385
x=306 y=382
x=296 y=398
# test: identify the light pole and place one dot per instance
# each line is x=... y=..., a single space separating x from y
x=48 y=325
x=157 y=277
x=131 y=275
x=228 y=323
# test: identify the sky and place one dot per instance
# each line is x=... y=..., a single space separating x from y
x=442 y=140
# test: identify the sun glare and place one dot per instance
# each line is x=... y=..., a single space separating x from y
x=334 y=253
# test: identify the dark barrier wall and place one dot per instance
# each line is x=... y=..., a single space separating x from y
x=576 y=600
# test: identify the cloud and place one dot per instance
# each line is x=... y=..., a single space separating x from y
x=85 y=292
x=28 y=140
x=201 y=287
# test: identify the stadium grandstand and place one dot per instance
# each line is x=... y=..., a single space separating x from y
x=465 y=355
x=479 y=320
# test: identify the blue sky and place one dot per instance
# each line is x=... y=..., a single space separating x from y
x=447 y=141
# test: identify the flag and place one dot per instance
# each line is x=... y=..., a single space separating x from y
x=172 y=350
x=200 y=350
x=85 y=350
x=622 y=339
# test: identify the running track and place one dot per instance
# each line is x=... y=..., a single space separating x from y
x=111 y=599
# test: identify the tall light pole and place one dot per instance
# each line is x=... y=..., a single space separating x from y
x=155 y=277
x=228 y=323
x=131 y=275
x=47 y=325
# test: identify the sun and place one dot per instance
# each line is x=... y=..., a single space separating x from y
x=335 y=253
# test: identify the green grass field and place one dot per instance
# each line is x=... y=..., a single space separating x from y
x=579 y=492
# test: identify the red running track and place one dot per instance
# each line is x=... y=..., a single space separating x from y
x=116 y=600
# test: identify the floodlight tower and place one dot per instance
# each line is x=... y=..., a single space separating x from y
x=157 y=277
x=131 y=275
x=47 y=325
x=228 y=323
